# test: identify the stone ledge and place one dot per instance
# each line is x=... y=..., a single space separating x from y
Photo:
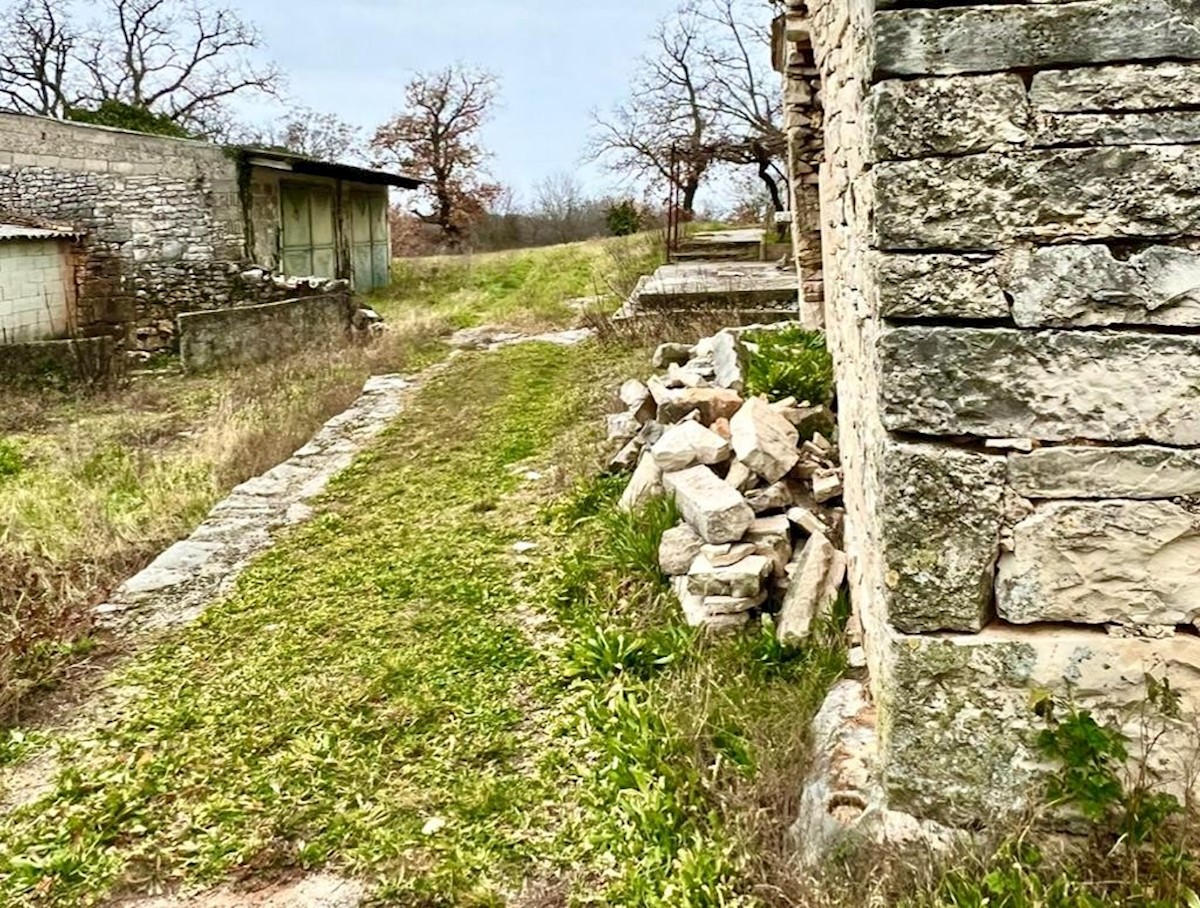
x=957 y=737
x=1143 y=472
x=1047 y=385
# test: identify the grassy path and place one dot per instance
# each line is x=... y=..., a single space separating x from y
x=392 y=693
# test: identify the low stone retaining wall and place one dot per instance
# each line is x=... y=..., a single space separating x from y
x=85 y=360
x=252 y=334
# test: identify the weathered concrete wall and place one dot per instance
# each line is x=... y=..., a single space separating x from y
x=1010 y=205
x=37 y=289
x=61 y=363
x=251 y=334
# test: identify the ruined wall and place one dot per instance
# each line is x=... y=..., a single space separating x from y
x=1010 y=206
x=803 y=122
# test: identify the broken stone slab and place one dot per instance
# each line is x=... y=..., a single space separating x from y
x=808 y=520
x=843 y=801
x=913 y=118
x=814 y=586
x=732 y=605
x=777 y=550
x=687 y=444
x=962 y=734
x=678 y=548
x=1046 y=385
x=764 y=527
x=711 y=403
x=1086 y=286
x=680 y=377
x=671 y=354
x=764 y=440
x=637 y=399
x=774 y=497
x=729 y=358
x=939 y=285
x=1105 y=562
x=984 y=39
x=661 y=394
x=1136 y=87
x=721 y=427
x=627 y=458
x=740 y=476
x=726 y=554
x=622 y=427
x=1076 y=471
x=1037 y=196
x=715 y=510
x=645 y=485
x=740 y=580
x=827 y=485
x=698 y=613
x=939 y=513
x=811 y=420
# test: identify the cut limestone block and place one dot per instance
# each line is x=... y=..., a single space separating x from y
x=740 y=476
x=939 y=286
x=1039 y=195
x=764 y=440
x=1077 y=471
x=959 y=115
x=940 y=514
x=677 y=550
x=983 y=39
x=961 y=741
x=1136 y=87
x=1103 y=562
x=711 y=403
x=1087 y=286
x=645 y=485
x=727 y=553
x=687 y=444
x=814 y=586
x=728 y=356
x=1047 y=385
x=637 y=400
x=622 y=427
x=741 y=580
x=715 y=510
x=774 y=497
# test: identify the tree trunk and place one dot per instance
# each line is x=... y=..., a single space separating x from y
x=690 y=188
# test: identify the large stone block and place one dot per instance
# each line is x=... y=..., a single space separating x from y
x=1087 y=285
x=1155 y=127
x=939 y=514
x=939 y=286
x=1103 y=562
x=713 y=508
x=982 y=39
x=912 y=118
x=1136 y=471
x=958 y=724
x=1048 y=385
x=1138 y=191
x=1137 y=87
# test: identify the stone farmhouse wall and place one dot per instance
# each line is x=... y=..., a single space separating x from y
x=1010 y=217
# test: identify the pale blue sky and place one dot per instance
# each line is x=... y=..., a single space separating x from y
x=556 y=61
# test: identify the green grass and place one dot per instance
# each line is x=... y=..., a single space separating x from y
x=526 y=289
x=392 y=663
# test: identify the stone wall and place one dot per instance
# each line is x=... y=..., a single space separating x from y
x=1010 y=212
x=38 y=299
x=252 y=334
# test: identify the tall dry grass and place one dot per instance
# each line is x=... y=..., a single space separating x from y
x=95 y=485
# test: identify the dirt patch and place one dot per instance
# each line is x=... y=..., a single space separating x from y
x=316 y=891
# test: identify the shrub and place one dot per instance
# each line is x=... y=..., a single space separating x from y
x=790 y=362
x=624 y=218
x=11 y=460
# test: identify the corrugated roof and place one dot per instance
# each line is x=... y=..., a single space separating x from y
x=285 y=160
x=22 y=232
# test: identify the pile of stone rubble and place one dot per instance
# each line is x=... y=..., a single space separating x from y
x=757 y=484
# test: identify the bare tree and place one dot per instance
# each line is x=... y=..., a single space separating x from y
x=177 y=59
x=436 y=135
x=560 y=201
x=36 y=49
x=705 y=93
x=744 y=95
x=319 y=135
x=665 y=120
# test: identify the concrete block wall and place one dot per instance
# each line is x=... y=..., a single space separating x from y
x=1010 y=215
x=37 y=289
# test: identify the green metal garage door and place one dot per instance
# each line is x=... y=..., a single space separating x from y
x=370 y=250
x=308 y=232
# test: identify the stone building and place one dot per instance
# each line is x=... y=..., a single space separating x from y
x=170 y=225
x=1009 y=202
